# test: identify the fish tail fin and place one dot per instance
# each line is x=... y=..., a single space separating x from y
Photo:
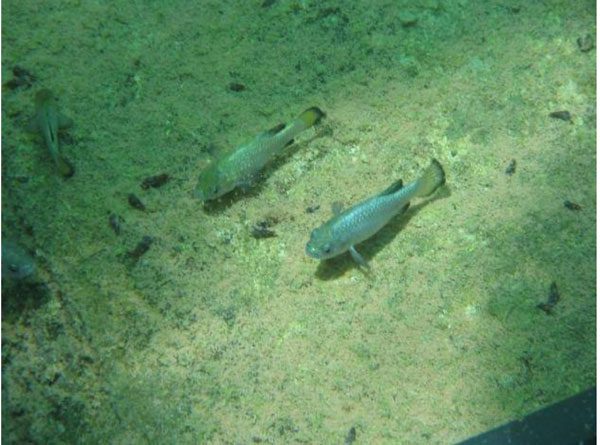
x=307 y=119
x=433 y=178
x=311 y=116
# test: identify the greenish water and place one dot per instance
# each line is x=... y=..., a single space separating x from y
x=215 y=336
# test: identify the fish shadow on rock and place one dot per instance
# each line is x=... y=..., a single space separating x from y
x=338 y=266
x=20 y=298
x=221 y=204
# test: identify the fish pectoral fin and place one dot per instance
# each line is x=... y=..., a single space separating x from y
x=358 y=258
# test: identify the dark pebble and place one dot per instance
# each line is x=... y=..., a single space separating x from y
x=116 y=223
x=135 y=202
x=155 y=181
x=234 y=86
x=553 y=297
x=141 y=248
x=262 y=230
x=409 y=22
x=350 y=437
x=586 y=43
x=22 y=78
x=572 y=205
x=512 y=167
x=563 y=115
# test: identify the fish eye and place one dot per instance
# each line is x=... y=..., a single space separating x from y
x=327 y=249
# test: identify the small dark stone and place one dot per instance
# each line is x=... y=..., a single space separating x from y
x=234 y=86
x=135 y=202
x=350 y=437
x=553 y=297
x=262 y=229
x=409 y=22
x=141 y=248
x=155 y=181
x=85 y=358
x=313 y=208
x=23 y=78
x=586 y=43
x=563 y=115
x=512 y=167
x=52 y=379
x=115 y=222
x=572 y=205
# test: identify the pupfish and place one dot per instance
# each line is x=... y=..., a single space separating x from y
x=17 y=264
x=48 y=121
x=350 y=227
x=243 y=165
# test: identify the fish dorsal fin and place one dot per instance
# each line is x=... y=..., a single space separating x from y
x=336 y=208
x=273 y=131
x=392 y=188
x=270 y=133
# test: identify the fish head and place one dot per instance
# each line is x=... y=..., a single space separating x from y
x=17 y=270
x=17 y=264
x=209 y=184
x=323 y=245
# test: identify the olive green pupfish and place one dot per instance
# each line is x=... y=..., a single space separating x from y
x=48 y=121
x=349 y=227
x=242 y=166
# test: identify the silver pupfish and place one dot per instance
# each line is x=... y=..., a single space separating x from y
x=361 y=221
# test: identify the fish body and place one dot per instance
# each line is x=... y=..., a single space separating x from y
x=241 y=167
x=17 y=264
x=48 y=121
x=350 y=227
